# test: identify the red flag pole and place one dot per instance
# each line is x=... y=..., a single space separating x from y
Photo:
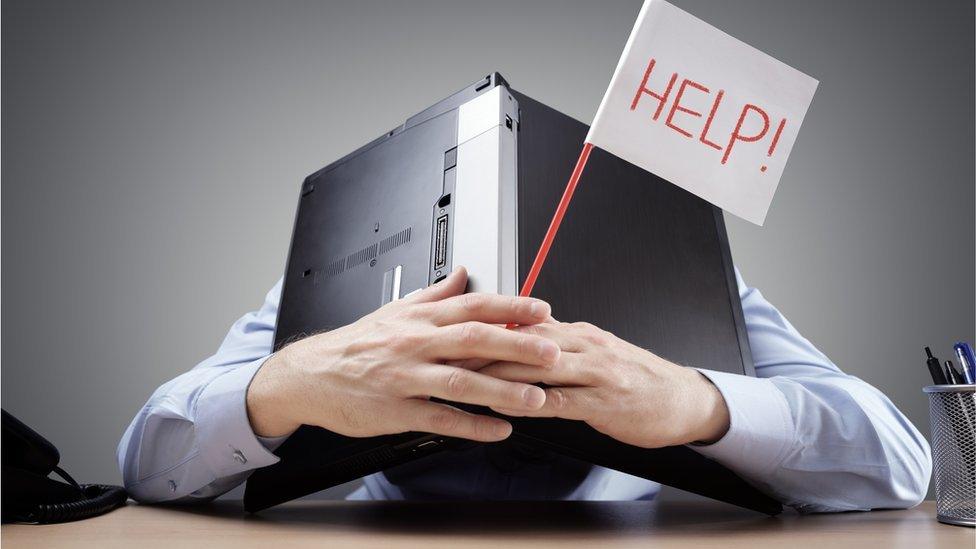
x=557 y=218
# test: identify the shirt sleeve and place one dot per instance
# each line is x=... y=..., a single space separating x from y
x=193 y=441
x=810 y=435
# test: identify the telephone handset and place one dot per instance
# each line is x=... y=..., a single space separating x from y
x=29 y=495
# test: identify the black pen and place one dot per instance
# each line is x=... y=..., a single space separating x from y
x=935 y=369
x=952 y=374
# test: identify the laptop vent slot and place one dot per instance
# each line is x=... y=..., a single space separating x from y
x=395 y=241
x=366 y=254
x=335 y=267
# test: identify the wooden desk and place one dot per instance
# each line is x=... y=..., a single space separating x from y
x=495 y=525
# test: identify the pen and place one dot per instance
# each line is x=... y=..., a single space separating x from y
x=938 y=377
x=966 y=361
x=952 y=375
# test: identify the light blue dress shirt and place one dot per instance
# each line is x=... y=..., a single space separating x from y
x=802 y=431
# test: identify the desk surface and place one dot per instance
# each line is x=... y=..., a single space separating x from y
x=496 y=525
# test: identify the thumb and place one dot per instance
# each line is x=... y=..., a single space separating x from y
x=453 y=285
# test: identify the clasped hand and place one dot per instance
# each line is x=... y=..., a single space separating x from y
x=618 y=388
x=376 y=375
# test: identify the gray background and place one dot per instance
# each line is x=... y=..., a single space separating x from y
x=152 y=154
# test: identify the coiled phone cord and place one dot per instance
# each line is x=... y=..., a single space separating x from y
x=98 y=499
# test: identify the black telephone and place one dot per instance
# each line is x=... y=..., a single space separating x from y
x=30 y=496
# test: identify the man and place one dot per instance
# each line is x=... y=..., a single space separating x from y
x=802 y=431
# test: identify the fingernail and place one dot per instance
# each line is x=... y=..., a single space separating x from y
x=534 y=397
x=502 y=429
x=539 y=309
x=548 y=351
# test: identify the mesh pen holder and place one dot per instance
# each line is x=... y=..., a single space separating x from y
x=952 y=411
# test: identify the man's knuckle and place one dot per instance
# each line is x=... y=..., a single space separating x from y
x=473 y=303
x=396 y=341
x=398 y=378
x=514 y=394
x=596 y=339
x=414 y=311
x=516 y=305
x=482 y=429
x=469 y=333
x=458 y=383
x=443 y=421
x=557 y=398
x=403 y=341
x=591 y=334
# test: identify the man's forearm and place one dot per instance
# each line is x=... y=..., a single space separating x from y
x=814 y=437
x=822 y=443
x=266 y=406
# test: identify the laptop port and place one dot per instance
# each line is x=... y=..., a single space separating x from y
x=440 y=243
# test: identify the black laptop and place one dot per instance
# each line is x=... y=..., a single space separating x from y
x=473 y=180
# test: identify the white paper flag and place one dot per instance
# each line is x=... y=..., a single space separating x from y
x=703 y=110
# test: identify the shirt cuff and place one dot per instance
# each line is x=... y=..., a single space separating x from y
x=272 y=443
x=761 y=429
x=225 y=439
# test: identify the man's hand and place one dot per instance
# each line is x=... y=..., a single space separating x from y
x=619 y=389
x=373 y=377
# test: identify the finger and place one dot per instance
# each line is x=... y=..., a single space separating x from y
x=457 y=385
x=564 y=402
x=470 y=363
x=441 y=419
x=453 y=285
x=490 y=308
x=479 y=340
x=560 y=333
x=569 y=370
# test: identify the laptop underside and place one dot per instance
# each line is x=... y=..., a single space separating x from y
x=473 y=181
